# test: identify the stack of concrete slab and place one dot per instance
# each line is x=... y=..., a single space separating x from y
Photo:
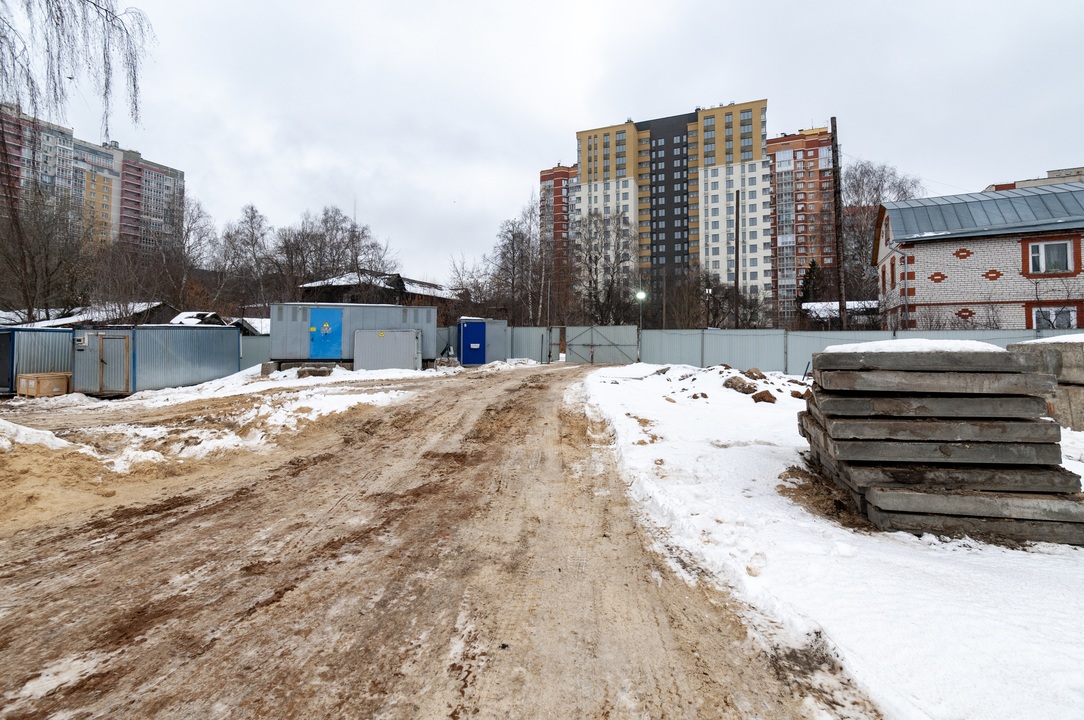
x=944 y=442
x=1064 y=358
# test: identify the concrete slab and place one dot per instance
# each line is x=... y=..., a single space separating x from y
x=935 y=382
x=1050 y=479
x=959 y=430
x=1067 y=406
x=1064 y=360
x=940 y=406
x=889 y=451
x=996 y=362
x=1019 y=506
x=1023 y=530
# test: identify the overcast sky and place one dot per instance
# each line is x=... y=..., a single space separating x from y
x=433 y=119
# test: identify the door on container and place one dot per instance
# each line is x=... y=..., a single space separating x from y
x=114 y=364
x=325 y=333
x=7 y=356
x=472 y=343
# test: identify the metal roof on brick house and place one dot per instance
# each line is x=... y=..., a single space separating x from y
x=1047 y=208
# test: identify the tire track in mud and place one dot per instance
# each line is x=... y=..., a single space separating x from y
x=470 y=551
x=163 y=521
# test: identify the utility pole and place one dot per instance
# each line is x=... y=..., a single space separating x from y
x=837 y=216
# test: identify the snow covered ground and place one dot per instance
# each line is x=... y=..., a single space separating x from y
x=929 y=628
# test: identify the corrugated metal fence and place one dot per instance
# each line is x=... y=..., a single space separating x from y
x=779 y=350
x=791 y=351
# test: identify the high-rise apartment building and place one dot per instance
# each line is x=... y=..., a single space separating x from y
x=127 y=198
x=557 y=186
x=695 y=188
x=803 y=186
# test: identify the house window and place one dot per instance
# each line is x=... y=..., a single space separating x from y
x=1047 y=257
x=1054 y=318
x=1058 y=258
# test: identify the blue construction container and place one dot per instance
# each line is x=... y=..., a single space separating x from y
x=25 y=351
x=128 y=359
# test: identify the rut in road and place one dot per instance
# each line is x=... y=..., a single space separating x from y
x=469 y=552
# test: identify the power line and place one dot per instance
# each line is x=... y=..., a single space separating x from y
x=920 y=177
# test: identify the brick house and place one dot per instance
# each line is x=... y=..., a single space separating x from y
x=1008 y=259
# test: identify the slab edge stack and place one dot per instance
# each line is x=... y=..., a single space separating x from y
x=949 y=443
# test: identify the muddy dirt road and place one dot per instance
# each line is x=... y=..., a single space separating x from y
x=467 y=552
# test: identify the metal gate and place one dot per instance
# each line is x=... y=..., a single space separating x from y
x=613 y=344
x=114 y=364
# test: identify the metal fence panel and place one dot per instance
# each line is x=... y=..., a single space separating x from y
x=529 y=342
x=802 y=344
x=35 y=350
x=665 y=347
x=255 y=349
x=744 y=349
x=447 y=336
x=176 y=356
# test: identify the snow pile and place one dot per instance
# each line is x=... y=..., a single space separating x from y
x=12 y=434
x=1073 y=338
x=929 y=628
x=915 y=345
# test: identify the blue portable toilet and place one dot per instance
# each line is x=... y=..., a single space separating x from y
x=472 y=342
x=482 y=341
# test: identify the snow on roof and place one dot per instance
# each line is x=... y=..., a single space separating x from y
x=197 y=317
x=95 y=314
x=260 y=325
x=388 y=280
x=915 y=345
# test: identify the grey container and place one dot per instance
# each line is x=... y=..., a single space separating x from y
x=33 y=350
x=125 y=360
x=388 y=349
x=325 y=331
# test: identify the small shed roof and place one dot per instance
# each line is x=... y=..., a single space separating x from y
x=1046 y=208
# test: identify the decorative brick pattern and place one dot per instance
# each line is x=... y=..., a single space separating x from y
x=996 y=295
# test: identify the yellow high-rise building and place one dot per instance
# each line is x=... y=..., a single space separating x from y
x=693 y=186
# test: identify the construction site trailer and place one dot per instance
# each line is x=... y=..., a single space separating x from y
x=25 y=351
x=127 y=359
x=324 y=332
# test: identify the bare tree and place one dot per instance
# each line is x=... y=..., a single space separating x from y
x=604 y=261
x=322 y=247
x=181 y=254
x=245 y=257
x=519 y=267
x=687 y=301
x=43 y=252
x=866 y=186
x=46 y=44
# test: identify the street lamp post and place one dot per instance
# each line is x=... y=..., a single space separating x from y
x=640 y=295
